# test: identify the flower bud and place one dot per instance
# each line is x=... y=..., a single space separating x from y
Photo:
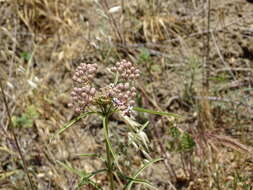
x=113 y=69
x=79 y=80
x=90 y=99
x=121 y=95
x=77 y=110
x=120 y=69
x=120 y=86
x=74 y=78
x=86 y=89
x=131 y=102
x=118 y=64
x=92 y=91
x=133 y=94
x=84 y=95
x=90 y=76
x=129 y=64
x=137 y=71
x=131 y=76
x=125 y=97
x=127 y=85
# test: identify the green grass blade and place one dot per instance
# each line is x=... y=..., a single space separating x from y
x=138 y=109
x=70 y=123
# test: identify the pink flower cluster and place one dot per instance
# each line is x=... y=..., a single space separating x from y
x=83 y=93
x=124 y=92
x=121 y=95
x=126 y=70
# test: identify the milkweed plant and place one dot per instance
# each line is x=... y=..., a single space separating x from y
x=117 y=97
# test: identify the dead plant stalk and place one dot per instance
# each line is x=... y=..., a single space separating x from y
x=15 y=136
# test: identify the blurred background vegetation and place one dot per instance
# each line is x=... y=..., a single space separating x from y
x=196 y=60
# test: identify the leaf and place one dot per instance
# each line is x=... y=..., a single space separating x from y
x=187 y=142
x=155 y=112
x=144 y=55
x=88 y=154
x=89 y=181
x=27 y=118
x=70 y=169
x=82 y=174
x=144 y=182
x=144 y=126
x=70 y=123
x=85 y=177
x=26 y=56
x=130 y=183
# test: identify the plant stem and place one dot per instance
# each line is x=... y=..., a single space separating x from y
x=108 y=152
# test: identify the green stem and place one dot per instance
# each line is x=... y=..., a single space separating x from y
x=109 y=156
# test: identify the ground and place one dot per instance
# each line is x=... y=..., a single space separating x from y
x=195 y=67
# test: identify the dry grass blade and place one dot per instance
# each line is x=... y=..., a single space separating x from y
x=229 y=142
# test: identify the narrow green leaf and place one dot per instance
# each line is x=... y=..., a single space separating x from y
x=70 y=123
x=70 y=169
x=144 y=182
x=95 y=173
x=89 y=181
x=144 y=126
x=136 y=180
x=155 y=112
x=86 y=180
x=82 y=174
x=145 y=166
x=130 y=183
x=87 y=155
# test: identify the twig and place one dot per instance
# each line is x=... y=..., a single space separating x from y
x=221 y=57
x=14 y=135
x=112 y=21
x=237 y=69
x=206 y=71
x=212 y=98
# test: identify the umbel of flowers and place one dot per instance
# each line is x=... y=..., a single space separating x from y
x=119 y=95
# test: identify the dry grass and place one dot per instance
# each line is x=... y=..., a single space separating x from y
x=42 y=42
